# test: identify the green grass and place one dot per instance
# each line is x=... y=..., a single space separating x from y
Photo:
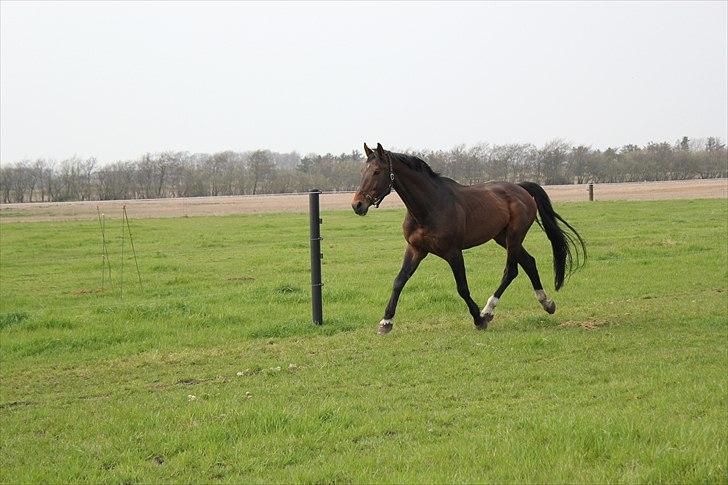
x=11 y=213
x=627 y=382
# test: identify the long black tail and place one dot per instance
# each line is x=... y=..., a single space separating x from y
x=569 y=248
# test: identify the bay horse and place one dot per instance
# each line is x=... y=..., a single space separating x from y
x=444 y=217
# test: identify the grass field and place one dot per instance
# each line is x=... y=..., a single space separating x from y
x=213 y=372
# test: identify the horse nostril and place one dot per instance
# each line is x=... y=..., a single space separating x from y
x=357 y=206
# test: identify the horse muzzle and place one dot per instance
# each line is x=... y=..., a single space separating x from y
x=361 y=207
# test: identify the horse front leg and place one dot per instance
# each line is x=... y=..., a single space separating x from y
x=457 y=264
x=412 y=258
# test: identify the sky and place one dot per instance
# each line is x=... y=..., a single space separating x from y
x=116 y=80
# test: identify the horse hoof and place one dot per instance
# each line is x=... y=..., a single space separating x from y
x=482 y=324
x=550 y=307
x=384 y=328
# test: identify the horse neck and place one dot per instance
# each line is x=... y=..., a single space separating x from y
x=418 y=191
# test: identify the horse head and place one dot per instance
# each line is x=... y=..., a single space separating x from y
x=377 y=179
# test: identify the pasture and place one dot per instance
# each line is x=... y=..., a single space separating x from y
x=212 y=371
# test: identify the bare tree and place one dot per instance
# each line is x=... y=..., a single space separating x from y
x=5 y=183
x=550 y=162
x=260 y=168
x=577 y=164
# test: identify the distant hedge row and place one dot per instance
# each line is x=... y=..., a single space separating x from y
x=182 y=174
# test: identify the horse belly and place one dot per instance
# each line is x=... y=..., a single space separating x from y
x=484 y=222
x=476 y=240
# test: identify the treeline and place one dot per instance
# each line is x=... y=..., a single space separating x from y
x=182 y=174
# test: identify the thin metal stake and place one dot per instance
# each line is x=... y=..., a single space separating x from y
x=131 y=240
x=106 y=248
x=103 y=246
x=122 y=256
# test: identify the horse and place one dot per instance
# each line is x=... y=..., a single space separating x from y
x=444 y=218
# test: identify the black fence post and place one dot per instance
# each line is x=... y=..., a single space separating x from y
x=591 y=191
x=316 y=255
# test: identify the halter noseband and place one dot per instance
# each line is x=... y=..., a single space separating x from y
x=378 y=200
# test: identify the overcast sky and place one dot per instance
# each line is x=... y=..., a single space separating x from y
x=115 y=80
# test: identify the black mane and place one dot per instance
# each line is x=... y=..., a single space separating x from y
x=415 y=163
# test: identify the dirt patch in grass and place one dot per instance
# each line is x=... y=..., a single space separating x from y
x=85 y=291
x=586 y=324
x=14 y=404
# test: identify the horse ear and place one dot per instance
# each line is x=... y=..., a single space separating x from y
x=380 y=150
x=367 y=150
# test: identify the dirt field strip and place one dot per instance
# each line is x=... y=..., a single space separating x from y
x=246 y=204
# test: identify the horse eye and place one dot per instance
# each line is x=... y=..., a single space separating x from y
x=376 y=172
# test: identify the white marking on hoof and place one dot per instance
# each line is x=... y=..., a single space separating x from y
x=385 y=326
x=490 y=306
x=385 y=322
x=546 y=302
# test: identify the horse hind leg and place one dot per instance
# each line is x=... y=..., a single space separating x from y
x=528 y=263
x=512 y=243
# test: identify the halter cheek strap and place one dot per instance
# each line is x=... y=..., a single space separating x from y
x=378 y=200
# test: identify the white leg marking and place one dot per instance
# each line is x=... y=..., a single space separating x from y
x=385 y=326
x=490 y=306
x=546 y=302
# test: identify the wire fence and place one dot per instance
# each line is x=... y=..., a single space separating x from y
x=101 y=260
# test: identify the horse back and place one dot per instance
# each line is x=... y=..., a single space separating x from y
x=492 y=208
x=471 y=215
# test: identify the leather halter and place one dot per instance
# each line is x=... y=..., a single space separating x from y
x=378 y=200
